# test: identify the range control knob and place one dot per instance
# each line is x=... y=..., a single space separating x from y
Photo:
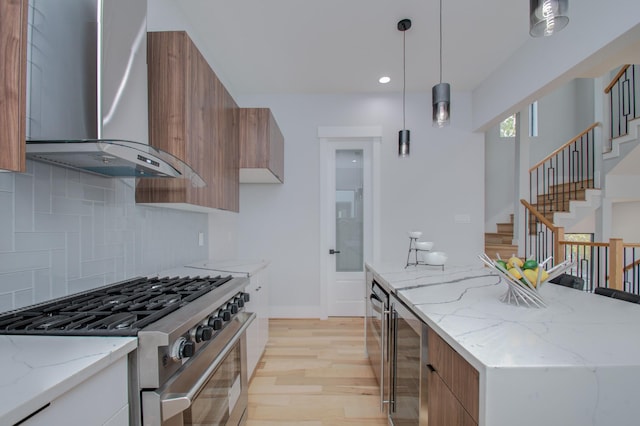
x=246 y=297
x=203 y=332
x=215 y=323
x=233 y=307
x=225 y=314
x=239 y=301
x=182 y=348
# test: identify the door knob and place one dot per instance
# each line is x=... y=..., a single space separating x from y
x=332 y=251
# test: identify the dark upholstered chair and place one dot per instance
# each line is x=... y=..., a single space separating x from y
x=569 y=281
x=618 y=294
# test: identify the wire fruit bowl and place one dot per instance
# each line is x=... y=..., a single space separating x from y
x=524 y=291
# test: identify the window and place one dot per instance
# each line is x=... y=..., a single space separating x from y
x=533 y=120
x=508 y=127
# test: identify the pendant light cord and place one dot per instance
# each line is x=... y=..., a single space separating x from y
x=440 y=41
x=404 y=76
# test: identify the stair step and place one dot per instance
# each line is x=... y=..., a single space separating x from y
x=498 y=238
x=505 y=228
x=571 y=186
x=504 y=250
x=564 y=197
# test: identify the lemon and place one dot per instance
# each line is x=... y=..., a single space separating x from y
x=515 y=261
x=514 y=273
x=531 y=275
x=544 y=275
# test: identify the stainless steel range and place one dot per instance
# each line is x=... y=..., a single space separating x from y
x=190 y=365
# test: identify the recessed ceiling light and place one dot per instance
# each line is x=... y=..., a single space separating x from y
x=384 y=80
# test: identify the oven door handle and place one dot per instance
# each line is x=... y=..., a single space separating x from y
x=176 y=403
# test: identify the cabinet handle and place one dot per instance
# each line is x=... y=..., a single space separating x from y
x=431 y=368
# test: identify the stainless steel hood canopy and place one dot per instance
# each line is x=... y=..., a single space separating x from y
x=87 y=90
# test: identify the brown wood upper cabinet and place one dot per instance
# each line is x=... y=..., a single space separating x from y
x=261 y=147
x=192 y=116
x=13 y=84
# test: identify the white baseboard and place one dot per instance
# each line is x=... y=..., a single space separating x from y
x=312 y=311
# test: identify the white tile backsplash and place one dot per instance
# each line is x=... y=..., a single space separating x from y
x=63 y=231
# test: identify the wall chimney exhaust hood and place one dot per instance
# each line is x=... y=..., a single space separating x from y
x=87 y=90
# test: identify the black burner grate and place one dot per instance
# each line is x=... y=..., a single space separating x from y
x=120 y=309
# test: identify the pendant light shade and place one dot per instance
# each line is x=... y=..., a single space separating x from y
x=441 y=93
x=547 y=17
x=403 y=142
x=404 y=134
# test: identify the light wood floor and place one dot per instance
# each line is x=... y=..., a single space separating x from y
x=314 y=373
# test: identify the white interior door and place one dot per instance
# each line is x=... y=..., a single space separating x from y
x=347 y=225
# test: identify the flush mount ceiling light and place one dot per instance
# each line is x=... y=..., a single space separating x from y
x=404 y=134
x=547 y=17
x=441 y=93
x=384 y=80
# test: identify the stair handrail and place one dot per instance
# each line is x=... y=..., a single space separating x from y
x=615 y=79
x=557 y=233
x=631 y=265
x=558 y=150
x=539 y=215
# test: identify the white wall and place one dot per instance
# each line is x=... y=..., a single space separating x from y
x=498 y=178
x=625 y=221
x=562 y=114
x=441 y=179
x=596 y=33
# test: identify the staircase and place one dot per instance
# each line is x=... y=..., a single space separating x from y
x=500 y=243
x=568 y=203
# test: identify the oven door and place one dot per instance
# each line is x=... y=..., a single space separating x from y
x=210 y=388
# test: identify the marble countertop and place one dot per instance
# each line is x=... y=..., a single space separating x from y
x=34 y=370
x=583 y=349
x=238 y=266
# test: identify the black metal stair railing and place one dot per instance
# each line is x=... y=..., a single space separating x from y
x=624 y=99
x=631 y=274
x=564 y=175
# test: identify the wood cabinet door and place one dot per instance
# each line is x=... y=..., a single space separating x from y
x=13 y=88
x=261 y=146
x=460 y=376
x=192 y=116
x=444 y=407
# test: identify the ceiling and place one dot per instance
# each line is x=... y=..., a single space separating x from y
x=344 y=46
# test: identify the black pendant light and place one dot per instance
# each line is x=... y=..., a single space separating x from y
x=404 y=134
x=441 y=93
x=547 y=17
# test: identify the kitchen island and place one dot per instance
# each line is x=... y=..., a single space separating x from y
x=576 y=362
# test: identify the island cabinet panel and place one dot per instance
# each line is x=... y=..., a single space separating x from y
x=444 y=407
x=457 y=374
x=13 y=87
x=261 y=147
x=192 y=116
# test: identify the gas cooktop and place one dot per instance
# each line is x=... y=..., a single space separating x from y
x=120 y=309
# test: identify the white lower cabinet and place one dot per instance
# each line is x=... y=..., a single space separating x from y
x=258 y=331
x=102 y=399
